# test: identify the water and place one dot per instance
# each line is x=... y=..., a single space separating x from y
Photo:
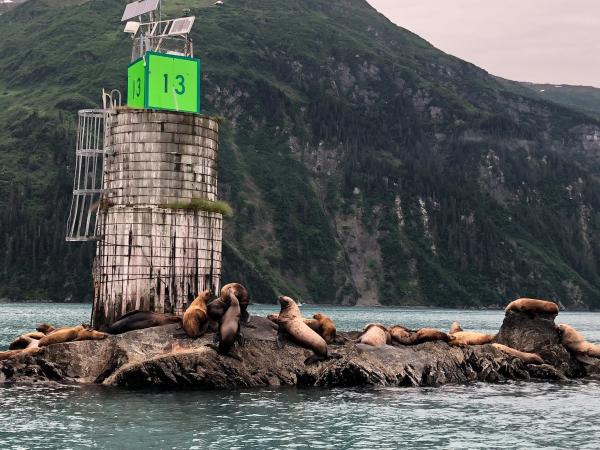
x=511 y=415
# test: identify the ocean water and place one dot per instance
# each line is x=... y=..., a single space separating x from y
x=508 y=415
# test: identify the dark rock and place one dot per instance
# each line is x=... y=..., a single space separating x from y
x=162 y=357
x=538 y=334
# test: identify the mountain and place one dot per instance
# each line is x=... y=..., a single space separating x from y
x=363 y=165
x=583 y=98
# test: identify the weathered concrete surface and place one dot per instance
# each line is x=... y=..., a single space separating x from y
x=163 y=357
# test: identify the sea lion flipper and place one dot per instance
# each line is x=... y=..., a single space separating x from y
x=280 y=339
x=215 y=347
x=241 y=339
x=245 y=316
x=585 y=359
x=313 y=359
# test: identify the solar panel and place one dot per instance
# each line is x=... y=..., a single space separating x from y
x=182 y=26
x=138 y=8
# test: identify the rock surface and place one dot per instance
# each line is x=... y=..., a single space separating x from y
x=164 y=357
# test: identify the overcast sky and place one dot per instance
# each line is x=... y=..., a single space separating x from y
x=544 y=41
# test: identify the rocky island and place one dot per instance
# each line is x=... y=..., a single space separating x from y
x=164 y=357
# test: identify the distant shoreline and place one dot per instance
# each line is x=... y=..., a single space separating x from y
x=6 y=301
x=58 y=302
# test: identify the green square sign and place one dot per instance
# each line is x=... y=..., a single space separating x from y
x=161 y=81
x=136 y=87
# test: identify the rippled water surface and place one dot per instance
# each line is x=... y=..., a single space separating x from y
x=513 y=415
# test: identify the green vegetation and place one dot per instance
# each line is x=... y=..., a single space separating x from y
x=581 y=98
x=202 y=204
x=352 y=151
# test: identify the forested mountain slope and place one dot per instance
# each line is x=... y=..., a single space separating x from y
x=363 y=165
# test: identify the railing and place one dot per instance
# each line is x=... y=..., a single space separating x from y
x=88 y=179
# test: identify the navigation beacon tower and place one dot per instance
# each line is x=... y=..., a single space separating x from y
x=146 y=176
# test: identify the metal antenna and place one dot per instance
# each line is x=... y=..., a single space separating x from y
x=169 y=36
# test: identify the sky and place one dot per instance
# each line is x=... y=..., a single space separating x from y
x=542 y=41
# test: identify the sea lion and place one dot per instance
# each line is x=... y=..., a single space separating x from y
x=376 y=335
x=26 y=340
x=402 y=335
x=34 y=335
x=241 y=294
x=229 y=327
x=291 y=325
x=61 y=335
x=313 y=324
x=326 y=327
x=574 y=342
x=195 y=318
x=78 y=333
x=431 y=334
x=89 y=334
x=216 y=308
x=462 y=338
x=45 y=328
x=138 y=320
x=533 y=306
x=9 y=354
x=20 y=343
x=455 y=328
x=528 y=358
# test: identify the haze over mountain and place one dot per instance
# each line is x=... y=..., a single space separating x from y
x=363 y=165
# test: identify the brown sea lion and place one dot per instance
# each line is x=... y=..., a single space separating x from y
x=195 y=318
x=61 y=335
x=139 y=320
x=533 y=306
x=11 y=353
x=89 y=334
x=241 y=294
x=292 y=325
x=462 y=338
x=78 y=333
x=431 y=334
x=376 y=335
x=35 y=335
x=27 y=340
x=314 y=325
x=45 y=328
x=402 y=335
x=20 y=343
x=574 y=342
x=528 y=358
x=455 y=328
x=229 y=327
x=216 y=308
x=326 y=327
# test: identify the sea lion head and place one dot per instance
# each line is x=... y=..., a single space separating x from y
x=45 y=328
x=318 y=316
x=289 y=307
x=568 y=334
x=238 y=290
x=286 y=302
x=205 y=296
x=90 y=334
